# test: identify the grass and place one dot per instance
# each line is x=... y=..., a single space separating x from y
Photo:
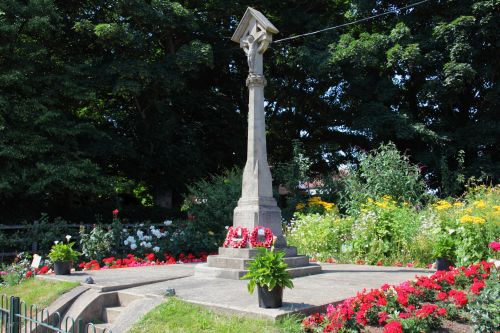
x=37 y=291
x=177 y=316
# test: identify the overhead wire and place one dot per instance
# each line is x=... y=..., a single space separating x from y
x=394 y=11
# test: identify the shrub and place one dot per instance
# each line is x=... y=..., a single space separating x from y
x=485 y=309
x=98 y=243
x=173 y=238
x=384 y=231
x=211 y=202
x=320 y=236
x=384 y=171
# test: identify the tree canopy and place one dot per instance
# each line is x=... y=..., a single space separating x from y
x=104 y=100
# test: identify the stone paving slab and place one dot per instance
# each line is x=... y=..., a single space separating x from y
x=124 y=278
x=311 y=293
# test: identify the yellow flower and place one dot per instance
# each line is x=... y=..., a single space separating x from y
x=442 y=205
x=300 y=206
x=496 y=207
x=458 y=204
x=472 y=219
x=381 y=204
x=387 y=197
x=327 y=205
x=370 y=200
x=314 y=200
x=480 y=204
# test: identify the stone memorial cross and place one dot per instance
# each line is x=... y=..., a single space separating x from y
x=256 y=205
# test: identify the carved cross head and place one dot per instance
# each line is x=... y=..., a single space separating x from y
x=254 y=33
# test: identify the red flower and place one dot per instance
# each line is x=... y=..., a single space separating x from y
x=393 y=327
x=150 y=257
x=442 y=295
x=382 y=317
x=43 y=270
x=109 y=260
x=477 y=286
x=459 y=297
x=115 y=212
x=29 y=274
x=441 y=312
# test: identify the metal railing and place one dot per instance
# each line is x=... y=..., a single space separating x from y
x=16 y=316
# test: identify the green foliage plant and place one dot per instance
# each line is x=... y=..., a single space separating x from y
x=384 y=230
x=63 y=252
x=211 y=202
x=445 y=248
x=268 y=269
x=98 y=243
x=485 y=308
x=321 y=236
x=384 y=171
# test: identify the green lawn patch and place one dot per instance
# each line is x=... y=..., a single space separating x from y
x=37 y=291
x=177 y=316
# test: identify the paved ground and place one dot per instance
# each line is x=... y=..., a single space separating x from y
x=311 y=293
x=123 y=278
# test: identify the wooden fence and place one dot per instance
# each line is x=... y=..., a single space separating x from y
x=33 y=228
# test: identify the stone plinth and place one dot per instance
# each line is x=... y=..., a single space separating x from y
x=232 y=263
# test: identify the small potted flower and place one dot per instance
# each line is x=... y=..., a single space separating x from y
x=63 y=256
x=444 y=252
x=268 y=273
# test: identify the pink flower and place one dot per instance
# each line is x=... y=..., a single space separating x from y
x=115 y=212
x=495 y=246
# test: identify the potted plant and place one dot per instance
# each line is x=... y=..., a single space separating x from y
x=63 y=255
x=444 y=252
x=268 y=273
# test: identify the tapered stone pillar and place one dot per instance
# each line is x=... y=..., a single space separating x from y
x=257 y=206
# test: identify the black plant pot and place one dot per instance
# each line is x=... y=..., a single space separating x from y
x=443 y=264
x=62 y=267
x=270 y=299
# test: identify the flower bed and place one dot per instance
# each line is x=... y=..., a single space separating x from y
x=413 y=306
x=150 y=259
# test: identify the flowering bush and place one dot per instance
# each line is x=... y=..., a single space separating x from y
x=315 y=205
x=20 y=270
x=388 y=232
x=384 y=231
x=413 y=306
x=150 y=259
x=321 y=236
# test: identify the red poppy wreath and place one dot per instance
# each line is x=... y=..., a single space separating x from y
x=236 y=232
x=254 y=237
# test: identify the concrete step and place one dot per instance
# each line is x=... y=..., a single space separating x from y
x=205 y=271
x=242 y=264
x=248 y=253
x=109 y=314
x=99 y=328
x=125 y=299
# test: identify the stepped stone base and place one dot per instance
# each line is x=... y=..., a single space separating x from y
x=233 y=263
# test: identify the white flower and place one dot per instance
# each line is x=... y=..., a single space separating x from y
x=125 y=242
x=133 y=246
x=167 y=222
x=156 y=249
x=56 y=242
x=140 y=234
x=68 y=237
